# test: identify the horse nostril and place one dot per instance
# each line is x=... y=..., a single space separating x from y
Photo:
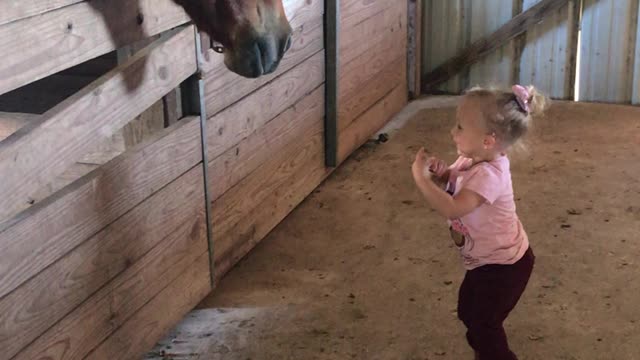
x=287 y=45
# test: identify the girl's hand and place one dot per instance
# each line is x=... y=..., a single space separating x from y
x=437 y=166
x=419 y=165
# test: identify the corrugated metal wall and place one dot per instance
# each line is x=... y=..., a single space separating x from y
x=608 y=68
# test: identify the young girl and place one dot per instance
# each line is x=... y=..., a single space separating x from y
x=478 y=203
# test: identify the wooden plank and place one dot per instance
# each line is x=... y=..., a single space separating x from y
x=51 y=229
x=375 y=118
x=224 y=88
x=46 y=298
x=371 y=91
x=234 y=204
x=235 y=243
x=484 y=46
x=235 y=123
x=368 y=34
x=12 y=122
x=152 y=119
x=146 y=327
x=64 y=133
x=104 y=312
x=14 y=10
x=354 y=12
x=77 y=33
x=370 y=63
x=241 y=160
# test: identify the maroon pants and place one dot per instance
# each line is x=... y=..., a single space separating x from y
x=487 y=295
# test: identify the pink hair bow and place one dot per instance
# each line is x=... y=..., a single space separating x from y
x=522 y=96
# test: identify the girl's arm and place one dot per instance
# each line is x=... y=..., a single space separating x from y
x=450 y=207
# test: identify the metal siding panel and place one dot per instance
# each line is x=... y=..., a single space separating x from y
x=635 y=97
x=606 y=52
x=486 y=17
x=442 y=37
x=545 y=57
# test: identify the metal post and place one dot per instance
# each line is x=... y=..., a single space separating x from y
x=331 y=46
x=193 y=103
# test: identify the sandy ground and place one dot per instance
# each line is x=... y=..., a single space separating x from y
x=363 y=269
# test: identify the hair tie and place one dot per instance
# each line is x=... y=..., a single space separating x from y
x=522 y=97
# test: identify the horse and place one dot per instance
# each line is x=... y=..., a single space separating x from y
x=253 y=35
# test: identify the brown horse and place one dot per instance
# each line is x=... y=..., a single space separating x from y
x=254 y=34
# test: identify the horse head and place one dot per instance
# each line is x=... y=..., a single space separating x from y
x=253 y=34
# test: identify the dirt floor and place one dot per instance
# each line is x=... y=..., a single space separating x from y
x=363 y=269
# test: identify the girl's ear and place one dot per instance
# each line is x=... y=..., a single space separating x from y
x=489 y=141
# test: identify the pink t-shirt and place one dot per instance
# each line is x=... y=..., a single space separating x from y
x=493 y=233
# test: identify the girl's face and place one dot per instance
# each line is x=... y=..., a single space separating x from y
x=470 y=133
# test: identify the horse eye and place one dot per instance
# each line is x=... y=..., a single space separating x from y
x=218 y=48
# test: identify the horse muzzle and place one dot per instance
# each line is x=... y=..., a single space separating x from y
x=258 y=57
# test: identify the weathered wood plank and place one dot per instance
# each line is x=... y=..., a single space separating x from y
x=373 y=119
x=486 y=45
x=51 y=229
x=241 y=160
x=46 y=298
x=368 y=34
x=370 y=63
x=235 y=243
x=68 y=130
x=14 y=10
x=236 y=122
x=371 y=91
x=234 y=204
x=12 y=122
x=104 y=312
x=224 y=88
x=77 y=33
x=354 y=12
x=143 y=329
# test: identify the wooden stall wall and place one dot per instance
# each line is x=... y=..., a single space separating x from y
x=265 y=140
x=104 y=266
x=372 y=85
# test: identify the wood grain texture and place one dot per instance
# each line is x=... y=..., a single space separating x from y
x=373 y=61
x=372 y=120
x=235 y=243
x=371 y=91
x=238 y=201
x=241 y=160
x=68 y=130
x=51 y=229
x=369 y=34
x=146 y=327
x=77 y=33
x=12 y=122
x=354 y=12
x=235 y=123
x=104 y=312
x=14 y=10
x=46 y=298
